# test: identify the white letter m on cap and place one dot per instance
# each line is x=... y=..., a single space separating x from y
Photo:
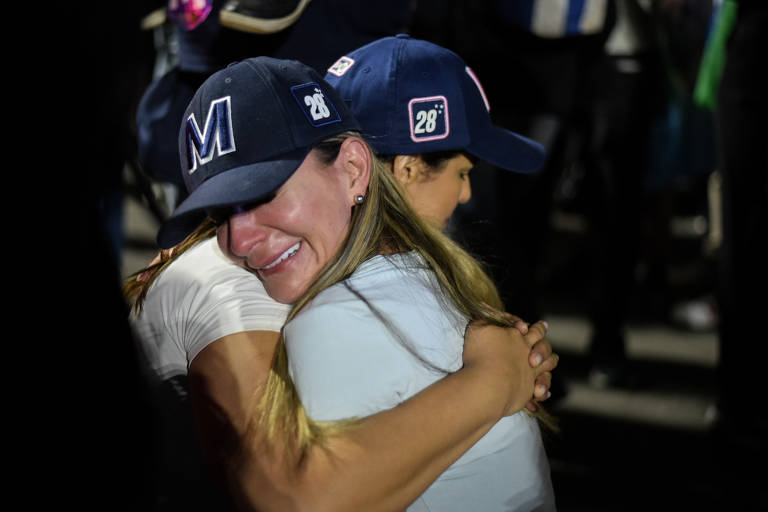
x=217 y=138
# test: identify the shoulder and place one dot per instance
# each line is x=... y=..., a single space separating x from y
x=397 y=281
x=391 y=284
x=202 y=297
x=202 y=263
x=382 y=281
x=388 y=297
x=205 y=275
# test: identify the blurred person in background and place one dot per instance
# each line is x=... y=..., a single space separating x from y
x=196 y=38
x=593 y=82
x=741 y=133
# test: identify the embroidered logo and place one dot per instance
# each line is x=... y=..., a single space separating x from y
x=217 y=137
x=341 y=66
x=317 y=107
x=429 y=118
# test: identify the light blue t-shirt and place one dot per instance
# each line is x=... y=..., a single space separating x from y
x=371 y=342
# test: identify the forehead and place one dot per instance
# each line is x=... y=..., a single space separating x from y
x=463 y=160
x=459 y=162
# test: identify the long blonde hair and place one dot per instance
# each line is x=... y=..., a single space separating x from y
x=384 y=223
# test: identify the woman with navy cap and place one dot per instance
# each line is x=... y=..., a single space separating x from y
x=381 y=302
x=425 y=113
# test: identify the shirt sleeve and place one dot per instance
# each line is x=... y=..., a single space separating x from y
x=209 y=298
x=235 y=302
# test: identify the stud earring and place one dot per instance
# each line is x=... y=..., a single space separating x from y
x=359 y=199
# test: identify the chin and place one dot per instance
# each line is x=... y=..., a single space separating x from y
x=284 y=297
x=284 y=294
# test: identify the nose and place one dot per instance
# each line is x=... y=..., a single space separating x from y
x=245 y=232
x=466 y=191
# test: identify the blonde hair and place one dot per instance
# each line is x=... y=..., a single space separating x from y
x=384 y=223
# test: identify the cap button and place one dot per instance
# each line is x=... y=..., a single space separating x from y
x=403 y=36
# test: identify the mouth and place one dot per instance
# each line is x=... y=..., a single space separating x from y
x=284 y=256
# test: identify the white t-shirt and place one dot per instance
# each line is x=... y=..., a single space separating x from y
x=197 y=299
x=373 y=341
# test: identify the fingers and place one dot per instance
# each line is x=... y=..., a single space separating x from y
x=549 y=363
x=541 y=350
x=521 y=326
x=536 y=332
x=543 y=359
x=541 y=388
x=541 y=391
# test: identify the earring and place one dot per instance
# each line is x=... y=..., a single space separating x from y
x=359 y=199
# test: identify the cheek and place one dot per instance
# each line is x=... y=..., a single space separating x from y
x=333 y=226
x=446 y=195
x=460 y=192
x=222 y=237
x=428 y=200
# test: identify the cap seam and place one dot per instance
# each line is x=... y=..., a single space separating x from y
x=395 y=100
x=276 y=99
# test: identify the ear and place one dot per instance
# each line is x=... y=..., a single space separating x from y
x=355 y=160
x=407 y=168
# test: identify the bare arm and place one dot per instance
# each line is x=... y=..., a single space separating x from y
x=386 y=462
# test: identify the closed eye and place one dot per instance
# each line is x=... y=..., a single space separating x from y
x=221 y=215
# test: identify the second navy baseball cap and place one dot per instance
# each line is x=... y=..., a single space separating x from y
x=412 y=96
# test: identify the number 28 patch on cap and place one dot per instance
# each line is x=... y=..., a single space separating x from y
x=317 y=107
x=429 y=118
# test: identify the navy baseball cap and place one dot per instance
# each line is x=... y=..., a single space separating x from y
x=245 y=132
x=412 y=96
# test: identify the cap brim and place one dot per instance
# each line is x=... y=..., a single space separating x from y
x=508 y=150
x=258 y=19
x=246 y=184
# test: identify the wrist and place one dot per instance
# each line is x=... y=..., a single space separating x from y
x=484 y=384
